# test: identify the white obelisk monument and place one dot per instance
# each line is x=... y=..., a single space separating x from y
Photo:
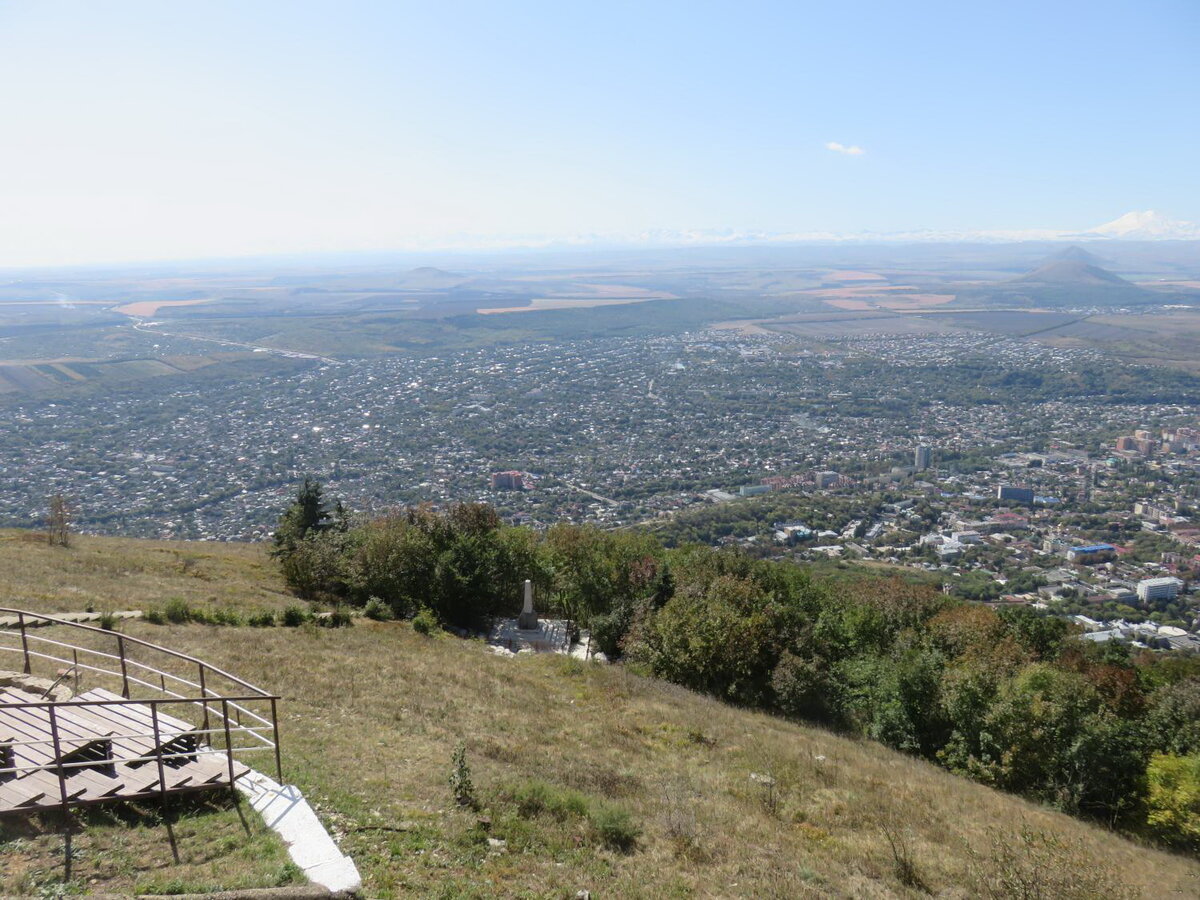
x=528 y=620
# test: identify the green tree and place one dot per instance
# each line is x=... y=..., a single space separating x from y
x=1173 y=722
x=1173 y=798
x=307 y=514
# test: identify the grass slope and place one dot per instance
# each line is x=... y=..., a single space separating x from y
x=128 y=850
x=120 y=573
x=559 y=750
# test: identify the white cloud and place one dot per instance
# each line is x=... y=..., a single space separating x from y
x=850 y=150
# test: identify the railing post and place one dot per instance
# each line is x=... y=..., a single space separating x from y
x=124 y=670
x=228 y=740
x=62 y=772
x=75 y=667
x=158 y=750
x=204 y=697
x=24 y=640
x=275 y=730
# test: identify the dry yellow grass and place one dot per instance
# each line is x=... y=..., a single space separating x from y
x=371 y=716
x=121 y=573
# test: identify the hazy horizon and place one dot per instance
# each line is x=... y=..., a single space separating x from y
x=145 y=132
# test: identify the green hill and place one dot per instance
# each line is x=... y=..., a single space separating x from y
x=592 y=777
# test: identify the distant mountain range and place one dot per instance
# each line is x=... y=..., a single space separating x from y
x=1143 y=225
x=1139 y=225
x=1146 y=225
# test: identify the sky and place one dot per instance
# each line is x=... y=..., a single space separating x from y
x=171 y=130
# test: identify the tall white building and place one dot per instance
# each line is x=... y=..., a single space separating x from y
x=1158 y=589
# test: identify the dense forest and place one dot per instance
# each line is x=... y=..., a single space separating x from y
x=1009 y=698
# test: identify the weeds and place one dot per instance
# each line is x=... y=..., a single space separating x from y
x=177 y=611
x=535 y=798
x=461 y=785
x=904 y=864
x=609 y=824
x=614 y=827
x=679 y=821
x=1038 y=865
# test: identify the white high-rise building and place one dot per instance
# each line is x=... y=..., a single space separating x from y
x=1158 y=589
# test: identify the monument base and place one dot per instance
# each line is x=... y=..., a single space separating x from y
x=528 y=621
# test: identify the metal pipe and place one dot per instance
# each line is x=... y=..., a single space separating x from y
x=275 y=728
x=228 y=740
x=124 y=670
x=158 y=750
x=24 y=640
x=62 y=775
x=204 y=696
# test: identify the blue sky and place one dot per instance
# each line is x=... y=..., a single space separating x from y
x=173 y=130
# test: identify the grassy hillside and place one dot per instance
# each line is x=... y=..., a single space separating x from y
x=722 y=802
x=119 y=574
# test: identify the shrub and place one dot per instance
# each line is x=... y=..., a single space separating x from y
x=535 y=798
x=203 y=616
x=154 y=616
x=339 y=618
x=425 y=622
x=294 y=616
x=226 y=617
x=108 y=621
x=177 y=611
x=461 y=785
x=264 y=619
x=377 y=610
x=614 y=827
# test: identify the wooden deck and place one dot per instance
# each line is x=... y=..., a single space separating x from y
x=106 y=750
x=100 y=746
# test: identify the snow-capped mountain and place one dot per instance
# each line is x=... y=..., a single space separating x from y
x=1146 y=225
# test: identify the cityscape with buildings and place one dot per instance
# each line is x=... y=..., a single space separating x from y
x=883 y=449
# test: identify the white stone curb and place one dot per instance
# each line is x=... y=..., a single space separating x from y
x=288 y=814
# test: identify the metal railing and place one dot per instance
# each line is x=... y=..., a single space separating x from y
x=242 y=716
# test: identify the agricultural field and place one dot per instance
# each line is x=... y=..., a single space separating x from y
x=1011 y=322
x=1169 y=338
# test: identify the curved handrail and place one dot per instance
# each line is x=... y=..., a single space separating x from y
x=209 y=695
x=200 y=695
x=4 y=610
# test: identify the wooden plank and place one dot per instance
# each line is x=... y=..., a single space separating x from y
x=138 y=781
x=34 y=744
x=136 y=715
x=28 y=793
x=95 y=783
x=33 y=723
x=40 y=790
x=127 y=741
